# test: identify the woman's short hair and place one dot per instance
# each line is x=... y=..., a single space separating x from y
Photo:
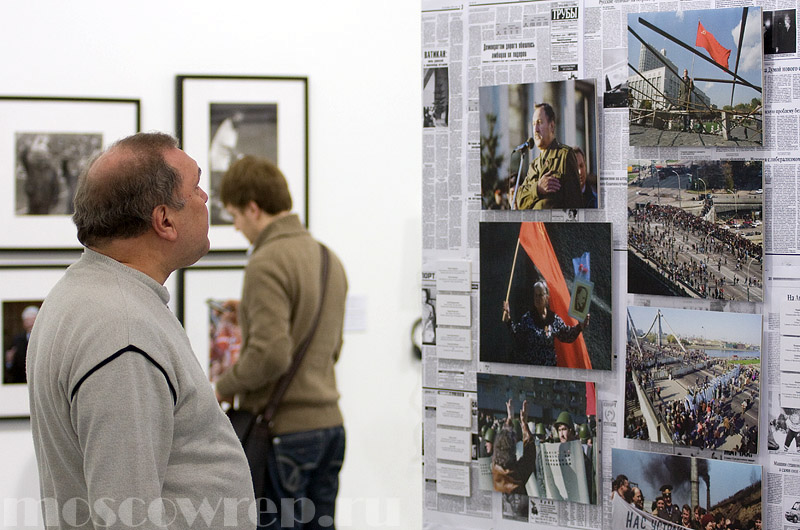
x=543 y=286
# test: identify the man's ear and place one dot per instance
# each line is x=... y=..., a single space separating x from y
x=163 y=224
x=252 y=208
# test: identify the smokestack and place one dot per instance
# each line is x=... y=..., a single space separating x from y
x=695 y=478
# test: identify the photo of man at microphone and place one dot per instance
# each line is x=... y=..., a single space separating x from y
x=561 y=140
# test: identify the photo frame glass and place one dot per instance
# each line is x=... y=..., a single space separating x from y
x=221 y=119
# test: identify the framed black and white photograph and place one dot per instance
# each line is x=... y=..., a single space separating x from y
x=21 y=294
x=223 y=118
x=45 y=143
x=208 y=311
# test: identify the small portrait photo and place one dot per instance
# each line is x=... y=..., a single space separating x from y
x=581 y=299
x=225 y=336
x=47 y=168
x=428 y=316
x=18 y=319
x=435 y=97
x=539 y=439
x=533 y=278
x=237 y=130
x=539 y=147
x=780 y=35
x=696 y=78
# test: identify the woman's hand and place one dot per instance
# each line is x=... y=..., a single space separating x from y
x=506 y=312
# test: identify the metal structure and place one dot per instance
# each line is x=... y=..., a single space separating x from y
x=704 y=118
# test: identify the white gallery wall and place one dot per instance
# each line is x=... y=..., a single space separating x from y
x=362 y=61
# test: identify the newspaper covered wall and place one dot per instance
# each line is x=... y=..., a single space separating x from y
x=470 y=45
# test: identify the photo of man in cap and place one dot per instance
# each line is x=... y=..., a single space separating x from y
x=672 y=512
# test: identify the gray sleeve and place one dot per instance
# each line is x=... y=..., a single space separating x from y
x=123 y=417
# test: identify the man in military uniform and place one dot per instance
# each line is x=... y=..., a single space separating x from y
x=552 y=180
x=672 y=512
x=686 y=87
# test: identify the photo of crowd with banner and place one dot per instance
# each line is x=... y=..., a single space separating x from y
x=692 y=378
x=671 y=492
x=695 y=229
x=545 y=294
x=538 y=437
x=696 y=78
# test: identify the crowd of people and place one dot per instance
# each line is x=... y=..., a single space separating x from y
x=706 y=416
x=681 y=516
x=662 y=234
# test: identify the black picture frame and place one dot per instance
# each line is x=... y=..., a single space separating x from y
x=222 y=117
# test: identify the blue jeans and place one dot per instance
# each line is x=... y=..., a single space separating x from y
x=303 y=480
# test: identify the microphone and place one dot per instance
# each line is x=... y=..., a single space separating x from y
x=523 y=147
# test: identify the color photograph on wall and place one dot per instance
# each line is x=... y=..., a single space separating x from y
x=695 y=229
x=539 y=146
x=542 y=433
x=696 y=78
x=529 y=273
x=692 y=378
x=21 y=294
x=651 y=490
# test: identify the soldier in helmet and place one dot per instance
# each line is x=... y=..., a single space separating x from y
x=566 y=433
x=565 y=427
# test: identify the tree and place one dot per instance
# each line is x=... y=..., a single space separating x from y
x=490 y=160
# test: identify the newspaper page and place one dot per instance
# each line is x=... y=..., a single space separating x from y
x=782 y=329
x=470 y=45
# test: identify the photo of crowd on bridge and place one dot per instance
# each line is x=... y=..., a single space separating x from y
x=692 y=378
x=671 y=492
x=695 y=229
x=538 y=437
x=696 y=78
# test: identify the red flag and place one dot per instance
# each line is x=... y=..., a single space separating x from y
x=591 y=400
x=706 y=40
x=536 y=242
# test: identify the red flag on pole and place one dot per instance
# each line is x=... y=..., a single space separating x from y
x=591 y=400
x=536 y=242
x=717 y=51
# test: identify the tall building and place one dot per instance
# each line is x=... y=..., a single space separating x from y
x=658 y=78
x=649 y=60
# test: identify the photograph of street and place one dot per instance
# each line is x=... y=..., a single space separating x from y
x=695 y=229
x=692 y=378
x=695 y=78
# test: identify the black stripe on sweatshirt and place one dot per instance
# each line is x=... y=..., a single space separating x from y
x=128 y=348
